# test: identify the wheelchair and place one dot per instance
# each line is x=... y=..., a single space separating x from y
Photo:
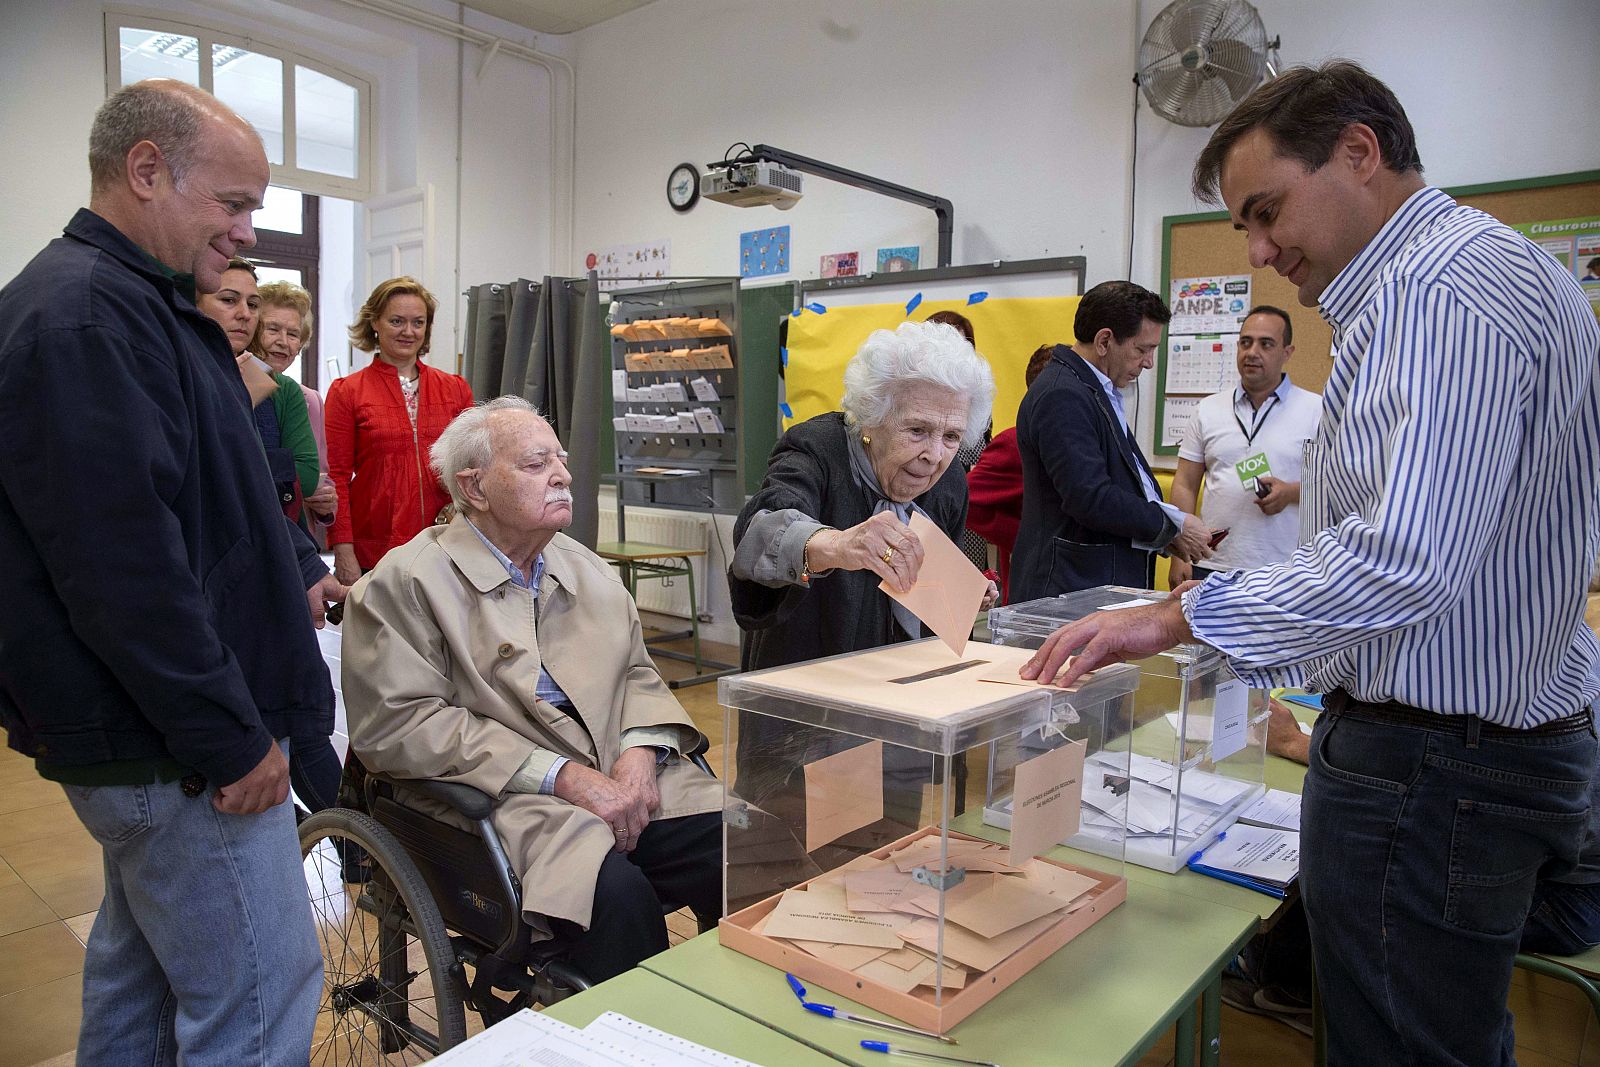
x=404 y=903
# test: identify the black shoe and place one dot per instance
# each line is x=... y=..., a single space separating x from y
x=1240 y=993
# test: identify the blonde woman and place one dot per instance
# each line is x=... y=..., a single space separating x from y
x=283 y=333
x=381 y=422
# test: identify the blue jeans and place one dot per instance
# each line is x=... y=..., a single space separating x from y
x=1421 y=846
x=204 y=946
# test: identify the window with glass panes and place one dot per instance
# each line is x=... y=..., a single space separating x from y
x=314 y=119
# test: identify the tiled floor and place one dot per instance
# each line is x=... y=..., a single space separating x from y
x=50 y=886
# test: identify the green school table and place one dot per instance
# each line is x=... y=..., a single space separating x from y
x=1104 y=999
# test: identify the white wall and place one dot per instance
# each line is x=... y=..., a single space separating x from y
x=1003 y=107
x=1019 y=111
x=492 y=219
x=54 y=63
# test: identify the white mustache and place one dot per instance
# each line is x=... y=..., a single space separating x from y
x=558 y=496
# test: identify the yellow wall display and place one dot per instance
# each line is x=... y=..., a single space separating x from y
x=1008 y=329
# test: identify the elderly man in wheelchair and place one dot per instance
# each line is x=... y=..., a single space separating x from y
x=498 y=653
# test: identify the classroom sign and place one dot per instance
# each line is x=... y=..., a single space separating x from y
x=1575 y=244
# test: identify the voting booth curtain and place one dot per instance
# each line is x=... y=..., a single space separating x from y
x=536 y=340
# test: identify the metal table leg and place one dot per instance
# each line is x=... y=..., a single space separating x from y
x=1211 y=1024
x=1183 y=1040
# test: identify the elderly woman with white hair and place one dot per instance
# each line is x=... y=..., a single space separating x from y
x=828 y=524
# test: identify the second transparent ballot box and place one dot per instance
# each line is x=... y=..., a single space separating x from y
x=1196 y=753
x=852 y=859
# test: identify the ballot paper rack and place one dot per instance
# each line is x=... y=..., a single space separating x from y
x=675 y=395
x=1195 y=758
x=841 y=777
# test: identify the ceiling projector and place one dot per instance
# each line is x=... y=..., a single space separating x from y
x=752 y=185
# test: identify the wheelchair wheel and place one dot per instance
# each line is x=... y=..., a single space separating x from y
x=392 y=987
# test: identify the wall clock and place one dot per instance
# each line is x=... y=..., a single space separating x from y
x=683 y=187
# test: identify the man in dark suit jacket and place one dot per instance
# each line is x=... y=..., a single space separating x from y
x=1092 y=513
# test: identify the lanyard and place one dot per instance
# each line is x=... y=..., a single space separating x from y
x=1257 y=422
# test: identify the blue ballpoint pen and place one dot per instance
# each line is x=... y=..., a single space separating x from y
x=830 y=1012
x=1196 y=857
x=895 y=1050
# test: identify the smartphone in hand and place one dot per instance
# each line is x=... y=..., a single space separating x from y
x=1262 y=489
x=1217 y=536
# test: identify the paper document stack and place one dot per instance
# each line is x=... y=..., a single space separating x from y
x=1153 y=805
x=1277 y=808
x=1257 y=857
x=871 y=916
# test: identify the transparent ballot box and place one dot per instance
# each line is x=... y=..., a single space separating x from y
x=1196 y=753
x=851 y=860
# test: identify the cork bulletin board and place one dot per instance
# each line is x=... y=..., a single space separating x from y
x=1207 y=244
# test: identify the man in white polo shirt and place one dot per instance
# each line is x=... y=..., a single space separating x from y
x=1246 y=443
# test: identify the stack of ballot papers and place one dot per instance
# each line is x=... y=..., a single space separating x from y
x=872 y=917
x=1153 y=801
x=670 y=329
x=1257 y=857
x=1276 y=808
x=612 y=1040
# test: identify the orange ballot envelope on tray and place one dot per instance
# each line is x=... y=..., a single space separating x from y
x=949 y=589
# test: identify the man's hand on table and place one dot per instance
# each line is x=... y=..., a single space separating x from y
x=1108 y=637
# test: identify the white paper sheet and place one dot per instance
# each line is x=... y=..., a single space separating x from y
x=1214 y=789
x=1197 y=728
x=657 y=1046
x=533 y=1039
x=1276 y=808
x=1259 y=852
x=1230 y=712
x=1177 y=411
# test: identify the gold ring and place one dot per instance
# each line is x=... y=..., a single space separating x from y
x=888 y=554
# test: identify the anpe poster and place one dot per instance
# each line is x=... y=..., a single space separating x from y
x=1215 y=304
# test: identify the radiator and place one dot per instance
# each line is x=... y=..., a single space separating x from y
x=665 y=596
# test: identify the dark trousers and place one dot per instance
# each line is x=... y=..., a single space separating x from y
x=1421 y=846
x=677 y=861
x=1565 y=919
x=314 y=770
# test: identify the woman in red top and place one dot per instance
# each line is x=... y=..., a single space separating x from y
x=381 y=422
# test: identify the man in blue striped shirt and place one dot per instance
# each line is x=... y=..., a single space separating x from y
x=1440 y=604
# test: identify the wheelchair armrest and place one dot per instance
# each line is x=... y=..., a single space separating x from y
x=697 y=753
x=701 y=744
x=473 y=803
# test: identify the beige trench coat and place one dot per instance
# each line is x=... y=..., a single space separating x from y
x=441 y=652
